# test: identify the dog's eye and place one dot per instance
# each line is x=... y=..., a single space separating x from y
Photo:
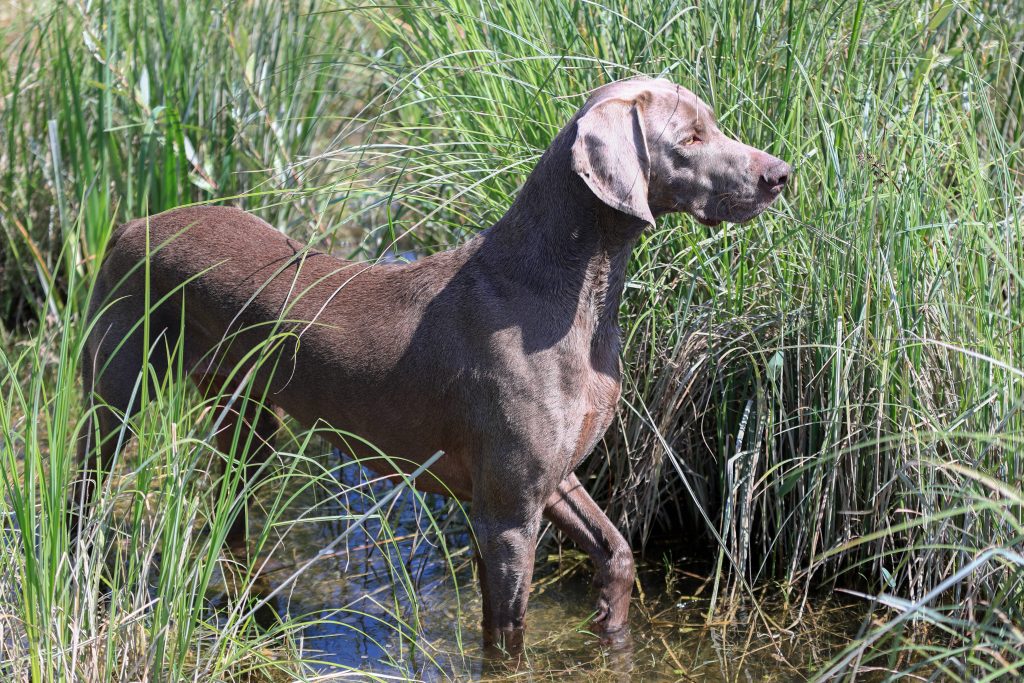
x=693 y=139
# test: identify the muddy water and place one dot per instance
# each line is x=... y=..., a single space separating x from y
x=389 y=600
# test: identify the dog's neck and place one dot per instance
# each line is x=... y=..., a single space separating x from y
x=567 y=248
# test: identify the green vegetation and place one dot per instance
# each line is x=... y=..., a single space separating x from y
x=830 y=394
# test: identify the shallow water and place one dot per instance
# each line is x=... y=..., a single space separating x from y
x=388 y=601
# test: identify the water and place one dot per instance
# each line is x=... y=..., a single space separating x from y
x=390 y=600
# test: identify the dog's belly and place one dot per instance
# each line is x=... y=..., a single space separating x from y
x=410 y=418
x=446 y=475
x=388 y=425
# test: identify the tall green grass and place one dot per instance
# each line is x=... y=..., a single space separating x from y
x=148 y=591
x=830 y=394
x=114 y=110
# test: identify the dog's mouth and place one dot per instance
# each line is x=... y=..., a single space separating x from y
x=736 y=211
x=705 y=217
x=734 y=207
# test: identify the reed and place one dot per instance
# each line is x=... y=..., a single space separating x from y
x=829 y=396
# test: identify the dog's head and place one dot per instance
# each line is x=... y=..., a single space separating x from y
x=650 y=147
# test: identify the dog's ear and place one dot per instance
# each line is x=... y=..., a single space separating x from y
x=610 y=154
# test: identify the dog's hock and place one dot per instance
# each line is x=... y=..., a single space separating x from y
x=610 y=155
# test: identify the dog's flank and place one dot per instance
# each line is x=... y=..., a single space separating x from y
x=503 y=353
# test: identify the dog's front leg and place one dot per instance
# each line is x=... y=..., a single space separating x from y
x=571 y=509
x=506 y=527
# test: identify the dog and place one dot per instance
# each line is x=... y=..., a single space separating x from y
x=504 y=353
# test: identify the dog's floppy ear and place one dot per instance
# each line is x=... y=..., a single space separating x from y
x=610 y=154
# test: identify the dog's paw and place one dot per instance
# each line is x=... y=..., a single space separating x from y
x=609 y=619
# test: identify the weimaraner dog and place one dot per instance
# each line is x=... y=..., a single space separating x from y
x=503 y=353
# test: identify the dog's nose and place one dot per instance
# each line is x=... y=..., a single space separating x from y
x=775 y=176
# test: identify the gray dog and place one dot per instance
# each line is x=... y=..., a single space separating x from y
x=502 y=353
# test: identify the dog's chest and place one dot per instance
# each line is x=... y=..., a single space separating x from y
x=593 y=414
x=590 y=388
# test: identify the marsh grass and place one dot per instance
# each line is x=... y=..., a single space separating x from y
x=829 y=396
x=832 y=392
x=149 y=590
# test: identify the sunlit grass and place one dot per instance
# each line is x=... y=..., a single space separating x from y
x=829 y=395
x=148 y=588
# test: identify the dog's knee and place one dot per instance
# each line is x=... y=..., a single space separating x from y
x=619 y=569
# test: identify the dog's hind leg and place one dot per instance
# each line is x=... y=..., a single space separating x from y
x=245 y=431
x=114 y=366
